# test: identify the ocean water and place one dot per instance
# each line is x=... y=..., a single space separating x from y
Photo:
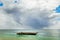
x=10 y=34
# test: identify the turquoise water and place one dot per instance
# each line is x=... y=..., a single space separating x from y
x=25 y=37
x=42 y=35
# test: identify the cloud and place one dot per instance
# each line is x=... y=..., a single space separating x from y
x=15 y=14
x=29 y=14
x=38 y=21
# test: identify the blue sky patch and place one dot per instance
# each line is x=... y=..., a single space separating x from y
x=57 y=9
x=1 y=4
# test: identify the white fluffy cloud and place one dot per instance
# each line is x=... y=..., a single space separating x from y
x=28 y=14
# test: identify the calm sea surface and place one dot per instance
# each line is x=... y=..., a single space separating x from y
x=46 y=34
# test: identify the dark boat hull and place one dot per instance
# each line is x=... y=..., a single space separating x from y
x=27 y=33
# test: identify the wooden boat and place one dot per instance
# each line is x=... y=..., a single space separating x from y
x=27 y=33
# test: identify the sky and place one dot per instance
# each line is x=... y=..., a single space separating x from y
x=29 y=14
x=57 y=9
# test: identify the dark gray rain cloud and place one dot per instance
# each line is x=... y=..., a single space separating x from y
x=39 y=21
x=35 y=18
x=15 y=12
